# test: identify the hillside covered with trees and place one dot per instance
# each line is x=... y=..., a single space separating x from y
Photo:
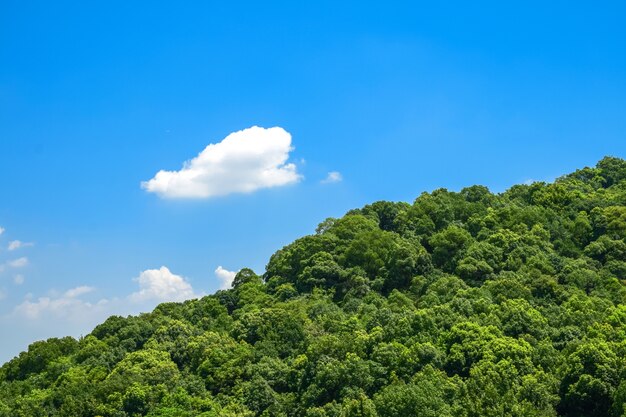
x=462 y=304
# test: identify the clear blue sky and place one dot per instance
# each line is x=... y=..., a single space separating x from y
x=398 y=97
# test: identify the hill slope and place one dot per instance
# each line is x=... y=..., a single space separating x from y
x=461 y=304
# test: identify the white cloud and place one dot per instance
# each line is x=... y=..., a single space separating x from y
x=18 y=279
x=18 y=263
x=155 y=285
x=243 y=162
x=162 y=285
x=16 y=244
x=77 y=311
x=78 y=291
x=66 y=314
x=333 y=176
x=66 y=306
x=225 y=276
x=2 y=229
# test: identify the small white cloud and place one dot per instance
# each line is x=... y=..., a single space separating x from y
x=2 y=229
x=225 y=276
x=54 y=316
x=243 y=162
x=18 y=279
x=333 y=176
x=17 y=244
x=18 y=263
x=78 y=291
x=76 y=311
x=67 y=306
x=162 y=285
x=155 y=285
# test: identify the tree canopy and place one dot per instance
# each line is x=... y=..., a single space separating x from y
x=465 y=304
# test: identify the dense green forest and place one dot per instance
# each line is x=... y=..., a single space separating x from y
x=461 y=304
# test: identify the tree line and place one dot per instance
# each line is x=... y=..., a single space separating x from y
x=462 y=304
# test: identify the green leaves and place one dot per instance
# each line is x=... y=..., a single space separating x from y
x=467 y=304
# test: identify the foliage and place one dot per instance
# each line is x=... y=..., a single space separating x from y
x=461 y=304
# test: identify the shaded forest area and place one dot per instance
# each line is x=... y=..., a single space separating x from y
x=461 y=304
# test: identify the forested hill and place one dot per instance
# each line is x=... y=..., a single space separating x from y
x=461 y=304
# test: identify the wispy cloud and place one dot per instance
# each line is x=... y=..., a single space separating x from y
x=18 y=263
x=155 y=286
x=78 y=291
x=243 y=162
x=77 y=310
x=68 y=305
x=17 y=244
x=333 y=176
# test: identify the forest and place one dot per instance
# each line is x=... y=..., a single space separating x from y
x=461 y=304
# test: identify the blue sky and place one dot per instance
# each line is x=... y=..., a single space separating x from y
x=397 y=97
